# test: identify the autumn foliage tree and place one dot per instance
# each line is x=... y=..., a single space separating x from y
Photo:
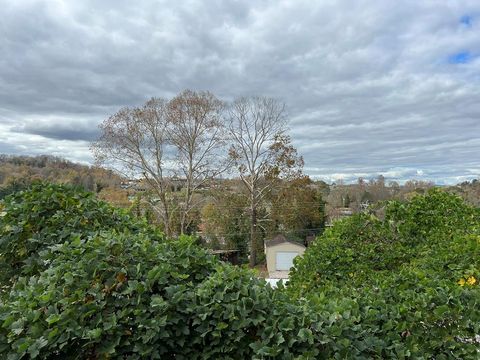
x=261 y=151
x=297 y=208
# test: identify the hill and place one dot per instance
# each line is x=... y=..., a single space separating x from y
x=18 y=171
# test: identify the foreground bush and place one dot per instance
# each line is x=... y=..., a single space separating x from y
x=403 y=287
x=359 y=248
x=109 y=290
x=112 y=294
x=121 y=296
x=47 y=214
x=413 y=279
x=237 y=316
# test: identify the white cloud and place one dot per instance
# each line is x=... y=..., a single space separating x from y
x=369 y=85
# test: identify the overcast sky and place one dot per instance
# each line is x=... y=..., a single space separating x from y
x=372 y=87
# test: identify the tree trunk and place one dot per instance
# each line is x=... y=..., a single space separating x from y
x=253 y=237
x=166 y=216
x=182 y=222
x=188 y=195
x=185 y=208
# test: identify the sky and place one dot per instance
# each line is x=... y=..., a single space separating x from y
x=371 y=87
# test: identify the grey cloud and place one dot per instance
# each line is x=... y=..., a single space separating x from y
x=368 y=85
x=58 y=131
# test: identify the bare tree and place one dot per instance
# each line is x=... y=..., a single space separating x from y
x=134 y=141
x=261 y=152
x=197 y=132
x=164 y=140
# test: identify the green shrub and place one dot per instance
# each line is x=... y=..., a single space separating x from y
x=47 y=214
x=350 y=252
x=113 y=294
x=237 y=316
x=403 y=287
x=362 y=246
x=437 y=214
x=116 y=295
x=411 y=279
x=93 y=283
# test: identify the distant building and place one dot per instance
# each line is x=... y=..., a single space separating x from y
x=280 y=253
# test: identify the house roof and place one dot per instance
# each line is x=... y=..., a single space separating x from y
x=280 y=239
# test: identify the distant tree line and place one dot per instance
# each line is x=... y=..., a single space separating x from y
x=18 y=171
x=361 y=195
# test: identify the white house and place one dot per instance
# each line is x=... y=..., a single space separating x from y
x=280 y=253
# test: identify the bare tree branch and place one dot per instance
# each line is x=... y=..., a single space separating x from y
x=196 y=130
x=260 y=151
